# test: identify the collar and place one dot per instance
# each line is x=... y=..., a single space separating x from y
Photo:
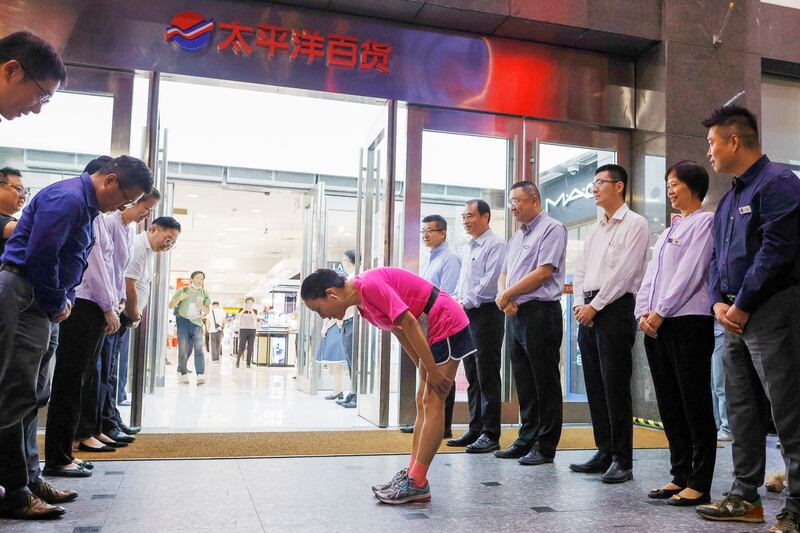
x=527 y=228
x=439 y=249
x=89 y=193
x=750 y=174
x=480 y=241
x=618 y=215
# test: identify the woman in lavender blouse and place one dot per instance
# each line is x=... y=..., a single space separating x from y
x=674 y=312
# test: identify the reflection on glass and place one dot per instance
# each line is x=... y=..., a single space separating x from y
x=780 y=120
x=565 y=181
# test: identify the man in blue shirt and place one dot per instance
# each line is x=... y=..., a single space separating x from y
x=755 y=286
x=442 y=270
x=477 y=290
x=43 y=262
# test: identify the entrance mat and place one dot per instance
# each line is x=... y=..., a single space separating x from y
x=319 y=443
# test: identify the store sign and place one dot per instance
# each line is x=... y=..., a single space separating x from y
x=569 y=198
x=564 y=199
x=182 y=282
x=191 y=31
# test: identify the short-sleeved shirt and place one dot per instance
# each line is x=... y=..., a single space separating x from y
x=190 y=308
x=386 y=293
x=142 y=268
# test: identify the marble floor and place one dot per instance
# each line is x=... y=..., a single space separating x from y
x=332 y=494
x=243 y=399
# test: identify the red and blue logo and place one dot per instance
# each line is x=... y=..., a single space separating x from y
x=190 y=31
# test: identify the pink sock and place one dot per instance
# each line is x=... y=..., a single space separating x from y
x=419 y=473
x=411 y=464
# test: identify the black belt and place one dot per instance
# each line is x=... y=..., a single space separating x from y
x=15 y=269
x=729 y=297
x=587 y=295
x=431 y=300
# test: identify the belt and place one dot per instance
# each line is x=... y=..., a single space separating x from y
x=431 y=300
x=19 y=270
x=590 y=294
x=729 y=297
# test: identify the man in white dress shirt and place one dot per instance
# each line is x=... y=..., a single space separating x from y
x=606 y=280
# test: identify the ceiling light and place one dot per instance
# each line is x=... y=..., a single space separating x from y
x=193 y=195
x=256 y=211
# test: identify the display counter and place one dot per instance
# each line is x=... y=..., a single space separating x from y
x=276 y=347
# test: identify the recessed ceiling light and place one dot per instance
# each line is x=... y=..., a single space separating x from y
x=193 y=195
x=256 y=211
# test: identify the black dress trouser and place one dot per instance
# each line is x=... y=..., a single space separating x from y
x=607 y=368
x=680 y=362
x=536 y=332
x=487 y=325
x=80 y=338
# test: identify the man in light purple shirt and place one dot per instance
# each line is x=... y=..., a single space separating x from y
x=530 y=288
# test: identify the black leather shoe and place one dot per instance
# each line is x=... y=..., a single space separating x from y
x=663 y=494
x=346 y=399
x=484 y=444
x=30 y=508
x=466 y=438
x=679 y=501
x=60 y=471
x=119 y=436
x=515 y=451
x=102 y=449
x=596 y=465
x=129 y=430
x=337 y=396
x=352 y=404
x=49 y=494
x=535 y=457
x=115 y=444
x=406 y=429
x=617 y=474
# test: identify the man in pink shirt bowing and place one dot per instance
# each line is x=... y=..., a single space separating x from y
x=434 y=331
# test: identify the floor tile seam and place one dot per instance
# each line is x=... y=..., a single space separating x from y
x=250 y=495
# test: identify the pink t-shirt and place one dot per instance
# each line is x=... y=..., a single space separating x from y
x=386 y=293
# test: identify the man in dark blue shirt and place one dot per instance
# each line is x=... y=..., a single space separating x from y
x=43 y=262
x=755 y=286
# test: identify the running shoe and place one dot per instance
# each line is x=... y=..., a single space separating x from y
x=405 y=492
x=733 y=508
x=398 y=477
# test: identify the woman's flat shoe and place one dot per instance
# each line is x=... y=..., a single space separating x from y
x=662 y=494
x=60 y=471
x=679 y=501
x=84 y=448
x=337 y=396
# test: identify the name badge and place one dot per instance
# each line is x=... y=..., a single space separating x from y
x=745 y=210
x=673 y=240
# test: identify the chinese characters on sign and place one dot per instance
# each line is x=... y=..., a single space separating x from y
x=337 y=50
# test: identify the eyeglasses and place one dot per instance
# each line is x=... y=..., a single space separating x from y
x=514 y=202
x=428 y=231
x=168 y=241
x=599 y=183
x=22 y=191
x=128 y=201
x=46 y=96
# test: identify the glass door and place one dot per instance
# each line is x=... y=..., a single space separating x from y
x=453 y=157
x=313 y=258
x=372 y=349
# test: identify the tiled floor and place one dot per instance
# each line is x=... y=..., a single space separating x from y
x=470 y=493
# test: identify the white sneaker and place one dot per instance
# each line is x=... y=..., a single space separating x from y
x=724 y=437
x=184 y=378
x=200 y=380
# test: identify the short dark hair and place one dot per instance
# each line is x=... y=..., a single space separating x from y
x=96 y=164
x=316 y=283
x=132 y=172
x=694 y=176
x=196 y=272
x=441 y=223
x=152 y=194
x=214 y=303
x=617 y=173
x=529 y=188
x=249 y=299
x=6 y=172
x=742 y=119
x=167 y=223
x=351 y=255
x=481 y=206
x=37 y=57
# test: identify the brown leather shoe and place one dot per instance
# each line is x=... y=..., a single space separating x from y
x=31 y=508
x=47 y=492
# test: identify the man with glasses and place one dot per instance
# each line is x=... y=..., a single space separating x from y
x=43 y=262
x=31 y=71
x=607 y=278
x=441 y=269
x=122 y=227
x=529 y=293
